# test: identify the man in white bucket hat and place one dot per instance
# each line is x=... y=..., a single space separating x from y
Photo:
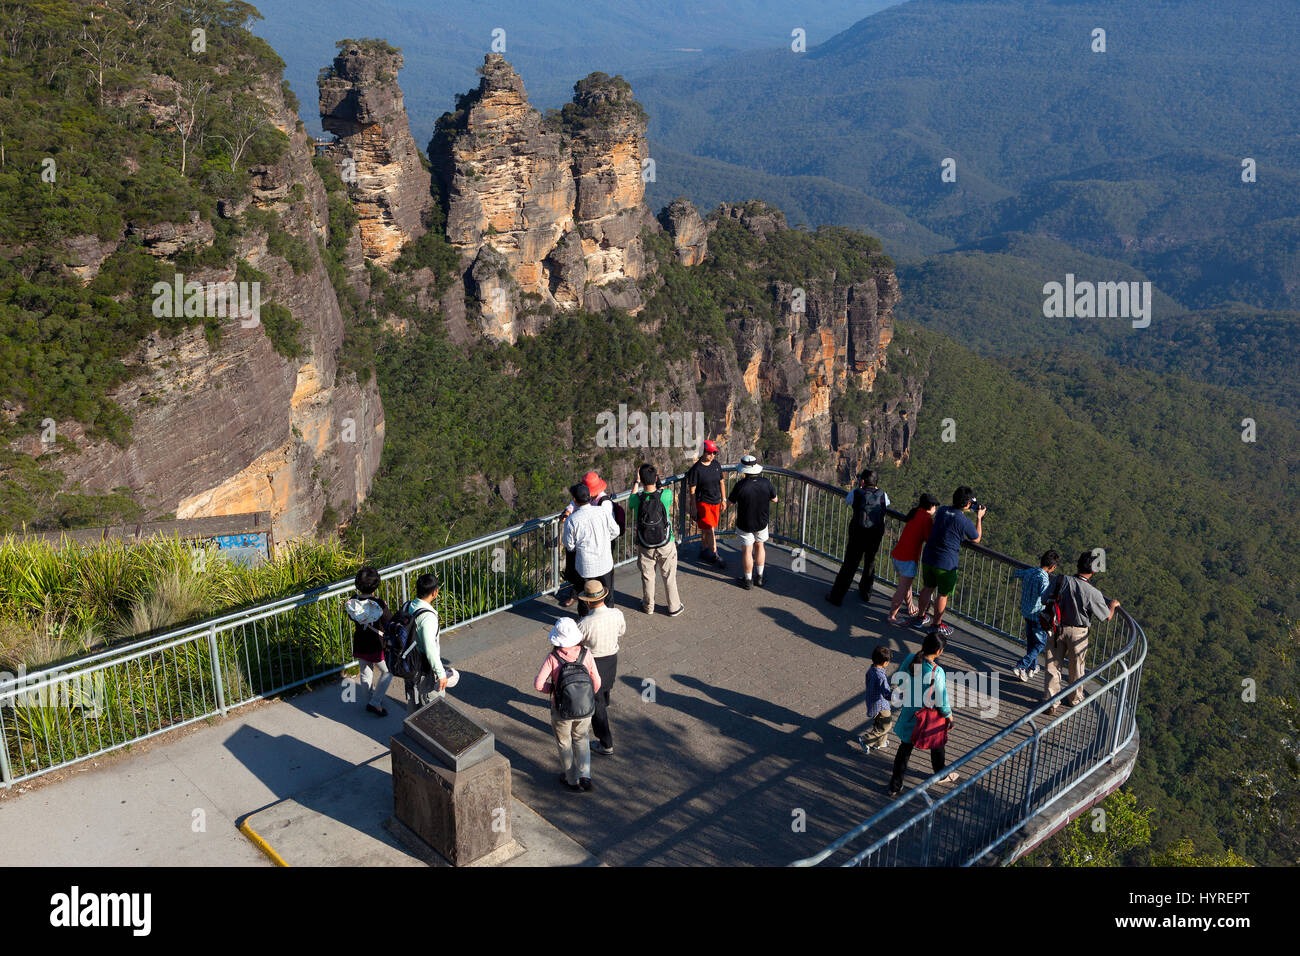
x=752 y=496
x=561 y=676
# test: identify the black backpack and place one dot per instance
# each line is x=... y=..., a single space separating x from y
x=574 y=692
x=402 y=651
x=871 y=513
x=651 y=520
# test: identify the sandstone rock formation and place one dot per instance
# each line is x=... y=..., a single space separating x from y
x=829 y=337
x=239 y=427
x=606 y=130
x=561 y=199
x=690 y=236
x=361 y=104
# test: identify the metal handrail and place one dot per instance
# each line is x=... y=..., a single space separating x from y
x=1127 y=660
x=224 y=655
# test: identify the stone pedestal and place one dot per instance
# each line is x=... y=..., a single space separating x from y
x=462 y=814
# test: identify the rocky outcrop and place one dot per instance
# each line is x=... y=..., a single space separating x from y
x=606 y=131
x=690 y=236
x=165 y=239
x=238 y=427
x=560 y=199
x=375 y=154
x=826 y=339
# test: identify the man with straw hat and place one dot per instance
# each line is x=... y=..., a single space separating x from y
x=601 y=630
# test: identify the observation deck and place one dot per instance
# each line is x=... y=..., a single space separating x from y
x=734 y=723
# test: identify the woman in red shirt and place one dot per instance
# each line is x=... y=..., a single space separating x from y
x=908 y=552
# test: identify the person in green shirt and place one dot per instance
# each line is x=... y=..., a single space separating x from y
x=650 y=508
x=433 y=678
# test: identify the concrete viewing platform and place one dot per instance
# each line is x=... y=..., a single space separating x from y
x=734 y=730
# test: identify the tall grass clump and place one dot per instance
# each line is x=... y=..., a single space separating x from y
x=56 y=602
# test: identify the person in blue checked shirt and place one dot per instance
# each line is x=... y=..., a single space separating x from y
x=1034 y=583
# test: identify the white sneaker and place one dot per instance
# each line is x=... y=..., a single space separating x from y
x=1019 y=674
x=883 y=747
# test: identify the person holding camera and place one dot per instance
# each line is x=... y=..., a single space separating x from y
x=940 y=556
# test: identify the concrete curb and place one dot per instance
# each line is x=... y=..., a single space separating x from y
x=256 y=839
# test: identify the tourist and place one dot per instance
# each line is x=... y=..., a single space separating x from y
x=370 y=615
x=907 y=553
x=1034 y=583
x=571 y=732
x=573 y=581
x=1079 y=601
x=706 y=486
x=752 y=496
x=434 y=676
x=589 y=533
x=866 y=528
x=879 y=702
x=602 y=499
x=601 y=630
x=940 y=555
x=925 y=688
x=656 y=551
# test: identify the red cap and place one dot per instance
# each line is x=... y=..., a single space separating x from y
x=710 y=446
x=594 y=483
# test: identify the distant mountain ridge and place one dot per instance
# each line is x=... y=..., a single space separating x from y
x=1135 y=153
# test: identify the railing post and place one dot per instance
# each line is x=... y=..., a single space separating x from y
x=215 y=656
x=555 y=553
x=680 y=499
x=1119 y=712
x=926 y=843
x=1033 y=773
x=803 y=519
x=6 y=775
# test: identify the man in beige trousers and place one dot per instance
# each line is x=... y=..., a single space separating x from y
x=650 y=511
x=1079 y=601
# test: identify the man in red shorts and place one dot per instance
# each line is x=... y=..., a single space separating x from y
x=705 y=483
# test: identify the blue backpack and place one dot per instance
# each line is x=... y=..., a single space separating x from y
x=402 y=651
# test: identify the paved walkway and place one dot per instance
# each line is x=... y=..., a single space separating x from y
x=732 y=723
x=732 y=730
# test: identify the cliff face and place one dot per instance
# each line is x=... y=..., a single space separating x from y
x=375 y=154
x=545 y=213
x=689 y=234
x=240 y=427
x=829 y=337
x=819 y=341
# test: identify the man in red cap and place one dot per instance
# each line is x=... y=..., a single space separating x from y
x=705 y=484
x=598 y=488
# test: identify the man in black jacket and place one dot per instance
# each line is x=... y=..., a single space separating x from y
x=866 y=528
